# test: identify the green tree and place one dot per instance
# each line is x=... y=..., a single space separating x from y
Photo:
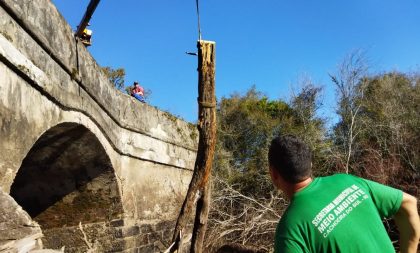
x=390 y=150
x=245 y=205
x=246 y=124
x=387 y=147
x=115 y=76
x=309 y=126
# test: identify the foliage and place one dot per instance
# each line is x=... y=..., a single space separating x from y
x=309 y=126
x=245 y=206
x=377 y=137
x=388 y=145
x=384 y=145
x=115 y=76
x=245 y=127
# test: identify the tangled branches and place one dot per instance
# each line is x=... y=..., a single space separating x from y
x=238 y=218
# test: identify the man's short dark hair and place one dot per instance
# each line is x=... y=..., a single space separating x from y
x=291 y=158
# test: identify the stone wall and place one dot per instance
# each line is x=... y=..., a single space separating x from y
x=114 y=237
x=142 y=157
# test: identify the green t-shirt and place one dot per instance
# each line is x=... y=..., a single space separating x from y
x=340 y=213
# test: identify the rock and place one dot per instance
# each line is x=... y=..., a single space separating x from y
x=18 y=232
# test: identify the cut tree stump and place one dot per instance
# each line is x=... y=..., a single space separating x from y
x=198 y=194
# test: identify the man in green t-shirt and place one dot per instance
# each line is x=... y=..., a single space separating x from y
x=339 y=213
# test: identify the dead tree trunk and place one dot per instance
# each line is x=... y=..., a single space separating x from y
x=200 y=223
x=198 y=191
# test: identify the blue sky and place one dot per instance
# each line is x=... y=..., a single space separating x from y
x=269 y=43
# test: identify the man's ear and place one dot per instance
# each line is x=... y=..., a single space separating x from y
x=273 y=173
x=275 y=177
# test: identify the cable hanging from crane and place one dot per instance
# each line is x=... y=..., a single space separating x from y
x=198 y=18
x=199 y=29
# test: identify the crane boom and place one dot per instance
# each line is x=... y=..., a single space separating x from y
x=85 y=20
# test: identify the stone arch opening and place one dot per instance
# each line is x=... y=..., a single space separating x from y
x=67 y=178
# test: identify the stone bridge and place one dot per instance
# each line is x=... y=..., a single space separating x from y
x=96 y=169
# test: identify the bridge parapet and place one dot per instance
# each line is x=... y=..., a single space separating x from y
x=39 y=22
x=52 y=92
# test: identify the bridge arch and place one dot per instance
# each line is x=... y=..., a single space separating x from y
x=66 y=178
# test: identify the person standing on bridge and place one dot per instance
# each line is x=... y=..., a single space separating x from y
x=138 y=92
x=339 y=213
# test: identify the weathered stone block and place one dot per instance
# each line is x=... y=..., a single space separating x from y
x=117 y=223
x=69 y=237
x=130 y=231
x=117 y=246
x=154 y=237
x=117 y=233
x=142 y=240
x=147 y=249
x=165 y=225
x=147 y=228
x=166 y=236
x=159 y=245
x=135 y=250
x=78 y=249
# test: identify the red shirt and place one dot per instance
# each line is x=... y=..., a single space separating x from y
x=137 y=90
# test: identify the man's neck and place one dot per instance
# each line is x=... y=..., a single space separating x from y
x=294 y=188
